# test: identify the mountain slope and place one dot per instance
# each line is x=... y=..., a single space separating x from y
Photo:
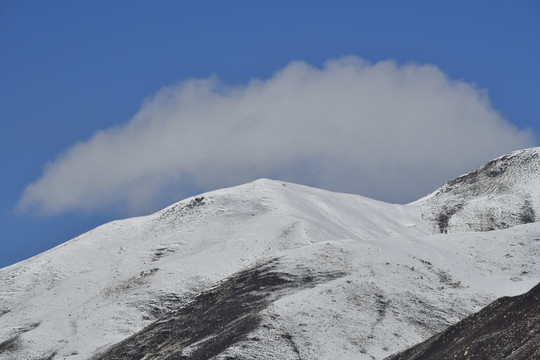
x=348 y=272
x=96 y=289
x=508 y=328
x=349 y=314
x=219 y=317
x=502 y=193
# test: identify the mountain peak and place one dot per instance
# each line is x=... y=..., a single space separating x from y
x=502 y=193
x=297 y=271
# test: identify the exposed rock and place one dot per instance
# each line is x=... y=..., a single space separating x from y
x=217 y=318
x=11 y=344
x=508 y=328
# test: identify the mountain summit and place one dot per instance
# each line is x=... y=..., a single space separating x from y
x=502 y=193
x=277 y=270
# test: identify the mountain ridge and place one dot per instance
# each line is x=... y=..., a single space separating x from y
x=502 y=193
x=400 y=274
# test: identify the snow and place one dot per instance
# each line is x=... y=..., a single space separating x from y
x=502 y=193
x=403 y=281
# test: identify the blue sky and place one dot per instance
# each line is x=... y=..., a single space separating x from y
x=71 y=70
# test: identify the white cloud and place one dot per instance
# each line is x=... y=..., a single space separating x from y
x=381 y=130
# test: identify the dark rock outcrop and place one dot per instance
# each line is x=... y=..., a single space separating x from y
x=217 y=318
x=508 y=328
x=12 y=343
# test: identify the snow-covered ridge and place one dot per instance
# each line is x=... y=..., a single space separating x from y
x=81 y=298
x=501 y=193
x=121 y=276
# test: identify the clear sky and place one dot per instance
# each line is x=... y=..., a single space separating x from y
x=111 y=109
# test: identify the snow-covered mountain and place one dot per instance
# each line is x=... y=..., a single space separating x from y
x=278 y=270
x=500 y=194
